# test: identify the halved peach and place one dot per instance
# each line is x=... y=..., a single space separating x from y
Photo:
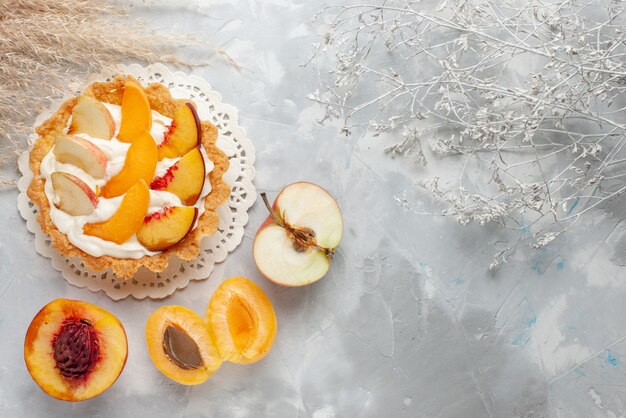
x=185 y=178
x=91 y=117
x=180 y=345
x=165 y=228
x=140 y=164
x=127 y=219
x=184 y=134
x=75 y=196
x=83 y=154
x=136 y=112
x=75 y=350
x=241 y=321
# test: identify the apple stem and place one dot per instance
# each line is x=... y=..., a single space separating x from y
x=277 y=219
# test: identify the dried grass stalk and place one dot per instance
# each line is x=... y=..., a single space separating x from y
x=47 y=44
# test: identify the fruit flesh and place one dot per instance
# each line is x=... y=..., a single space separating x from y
x=74 y=350
x=279 y=261
x=307 y=205
x=75 y=196
x=140 y=164
x=136 y=113
x=175 y=337
x=183 y=135
x=81 y=153
x=127 y=219
x=91 y=117
x=166 y=228
x=242 y=321
x=185 y=178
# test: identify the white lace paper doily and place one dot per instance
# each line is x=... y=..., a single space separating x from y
x=233 y=214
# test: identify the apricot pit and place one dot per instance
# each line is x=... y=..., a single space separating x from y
x=180 y=345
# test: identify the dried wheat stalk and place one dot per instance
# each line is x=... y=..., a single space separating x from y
x=47 y=44
x=550 y=138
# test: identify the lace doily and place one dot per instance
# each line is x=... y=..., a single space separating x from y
x=233 y=215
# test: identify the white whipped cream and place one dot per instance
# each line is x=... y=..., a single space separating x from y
x=72 y=226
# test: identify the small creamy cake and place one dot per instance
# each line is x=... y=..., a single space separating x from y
x=125 y=176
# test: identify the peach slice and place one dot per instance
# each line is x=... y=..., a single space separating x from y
x=168 y=227
x=180 y=345
x=81 y=153
x=76 y=197
x=91 y=117
x=75 y=350
x=184 y=134
x=242 y=321
x=136 y=112
x=140 y=164
x=185 y=178
x=127 y=219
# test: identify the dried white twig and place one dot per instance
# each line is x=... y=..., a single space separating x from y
x=551 y=137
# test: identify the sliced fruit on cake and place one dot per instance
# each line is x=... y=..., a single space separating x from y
x=71 y=149
x=184 y=134
x=91 y=117
x=75 y=197
x=165 y=228
x=185 y=178
x=136 y=112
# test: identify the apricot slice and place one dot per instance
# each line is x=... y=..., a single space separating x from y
x=74 y=350
x=168 y=227
x=127 y=219
x=184 y=134
x=136 y=112
x=140 y=164
x=242 y=321
x=185 y=178
x=180 y=345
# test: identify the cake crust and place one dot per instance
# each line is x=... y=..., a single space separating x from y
x=160 y=100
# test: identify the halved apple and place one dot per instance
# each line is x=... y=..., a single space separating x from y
x=127 y=219
x=295 y=244
x=81 y=153
x=140 y=164
x=75 y=197
x=91 y=117
x=184 y=134
x=136 y=112
x=165 y=228
x=185 y=178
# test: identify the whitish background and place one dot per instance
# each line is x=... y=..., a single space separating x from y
x=409 y=322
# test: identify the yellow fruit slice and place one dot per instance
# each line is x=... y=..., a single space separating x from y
x=140 y=164
x=127 y=219
x=136 y=112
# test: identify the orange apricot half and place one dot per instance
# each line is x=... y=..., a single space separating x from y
x=75 y=350
x=136 y=112
x=242 y=321
x=180 y=345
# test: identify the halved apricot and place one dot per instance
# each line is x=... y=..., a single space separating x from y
x=75 y=350
x=180 y=345
x=140 y=163
x=136 y=112
x=242 y=321
x=127 y=218
x=183 y=135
